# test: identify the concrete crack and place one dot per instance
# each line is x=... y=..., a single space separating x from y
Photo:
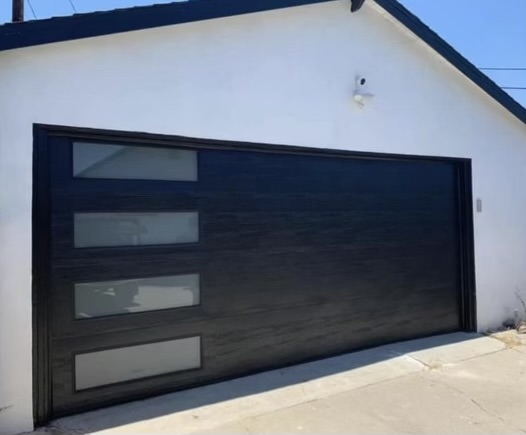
x=422 y=362
x=479 y=405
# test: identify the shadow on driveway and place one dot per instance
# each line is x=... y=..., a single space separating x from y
x=152 y=408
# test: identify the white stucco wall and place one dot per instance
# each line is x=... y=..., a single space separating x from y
x=284 y=77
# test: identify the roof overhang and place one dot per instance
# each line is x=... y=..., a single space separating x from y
x=78 y=26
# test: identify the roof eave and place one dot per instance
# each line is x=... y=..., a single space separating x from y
x=78 y=26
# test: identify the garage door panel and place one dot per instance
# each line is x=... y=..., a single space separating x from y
x=271 y=327
x=422 y=300
x=258 y=273
x=267 y=280
x=227 y=231
x=282 y=172
x=252 y=342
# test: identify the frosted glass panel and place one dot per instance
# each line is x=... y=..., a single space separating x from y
x=93 y=160
x=109 y=298
x=135 y=229
x=126 y=363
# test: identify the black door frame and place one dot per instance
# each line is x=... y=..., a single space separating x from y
x=42 y=401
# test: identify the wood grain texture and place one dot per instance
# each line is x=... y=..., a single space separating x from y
x=300 y=257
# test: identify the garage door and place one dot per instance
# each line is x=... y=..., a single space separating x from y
x=166 y=264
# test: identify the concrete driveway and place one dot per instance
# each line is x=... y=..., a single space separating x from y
x=458 y=383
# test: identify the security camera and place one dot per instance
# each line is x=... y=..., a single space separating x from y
x=361 y=95
x=360 y=81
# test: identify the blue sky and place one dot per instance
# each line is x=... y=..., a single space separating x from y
x=489 y=33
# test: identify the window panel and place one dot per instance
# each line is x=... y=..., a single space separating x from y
x=135 y=229
x=108 y=298
x=94 y=160
x=136 y=362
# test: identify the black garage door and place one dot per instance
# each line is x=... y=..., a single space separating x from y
x=165 y=264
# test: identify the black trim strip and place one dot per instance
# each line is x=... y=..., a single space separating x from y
x=153 y=139
x=468 y=301
x=41 y=232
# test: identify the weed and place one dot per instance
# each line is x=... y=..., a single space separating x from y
x=520 y=324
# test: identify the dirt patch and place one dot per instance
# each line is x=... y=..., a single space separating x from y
x=511 y=338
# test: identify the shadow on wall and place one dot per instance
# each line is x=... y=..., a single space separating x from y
x=171 y=404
